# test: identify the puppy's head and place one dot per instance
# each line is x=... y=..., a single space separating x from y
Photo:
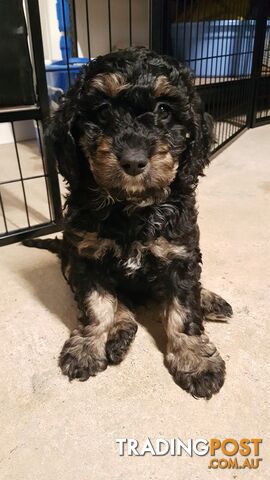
x=132 y=125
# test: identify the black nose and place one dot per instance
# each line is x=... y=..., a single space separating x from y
x=133 y=161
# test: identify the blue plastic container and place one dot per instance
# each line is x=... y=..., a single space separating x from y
x=57 y=72
x=228 y=43
x=63 y=73
x=63 y=17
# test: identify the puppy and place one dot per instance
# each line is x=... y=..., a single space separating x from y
x=131 y=140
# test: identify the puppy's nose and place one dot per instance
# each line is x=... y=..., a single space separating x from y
x=133 y=161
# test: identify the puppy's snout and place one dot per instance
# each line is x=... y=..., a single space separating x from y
x=133 y=161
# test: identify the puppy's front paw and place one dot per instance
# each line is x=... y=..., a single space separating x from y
x=196 y=366
x=215 y=307
x=80 y=357
x=119 y=341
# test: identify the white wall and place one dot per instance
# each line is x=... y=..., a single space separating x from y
x=99 y=25
x=99 y=37
x=49 y=27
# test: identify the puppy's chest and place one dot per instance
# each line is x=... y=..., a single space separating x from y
x=129 y=258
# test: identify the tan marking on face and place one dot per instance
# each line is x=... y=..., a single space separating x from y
x=157 y=176
x=110 y=83
x=107 y=171
x=104 y=164
x=163 y=168
x=162 y=148
x=134 y=185
x=162 y=87
x=104 y=145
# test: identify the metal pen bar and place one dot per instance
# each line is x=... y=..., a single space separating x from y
x=150 y=24
x=240 y=117
x=88 y=29
x=162 y=22
x=20 y=170
x=203 y=25
x=110 y=25
x=38 y=54
x=44 y=170
x=184 y=35
x=218 y=101
x=156 y=34
x=75 y=26
x=19 y=113
x=260 y=33
x=197 y=40
x=225 y=56
x=130 y=21
x=18 y=180
x=66 y=42
x=237 y=117
x=228 y=63
x=176 y=27
x=14 y=236
x=3 y=212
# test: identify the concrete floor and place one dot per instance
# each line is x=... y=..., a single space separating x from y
x=52 y=429
x=12 y=193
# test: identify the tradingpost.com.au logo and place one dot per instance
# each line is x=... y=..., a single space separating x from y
x=227 y=453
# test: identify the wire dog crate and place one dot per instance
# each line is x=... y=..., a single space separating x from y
x=30 y=202
x=225 y=43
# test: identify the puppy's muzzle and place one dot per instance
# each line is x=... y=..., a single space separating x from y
x=133 y=161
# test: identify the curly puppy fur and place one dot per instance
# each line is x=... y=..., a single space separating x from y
x=131 y=139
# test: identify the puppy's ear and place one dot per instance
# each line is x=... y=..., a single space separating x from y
x=61 y=144
x=200 y=144
x=200 y=127
x=59 y=137
x=203 y=141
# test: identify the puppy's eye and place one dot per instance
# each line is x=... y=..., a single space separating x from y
x=104 y=113
x=164 y=111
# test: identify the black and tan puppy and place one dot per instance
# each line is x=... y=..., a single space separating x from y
x=131 y=140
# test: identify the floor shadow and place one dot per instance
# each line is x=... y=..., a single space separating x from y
x=11 y=203
x=49 y=287
x=150 y=318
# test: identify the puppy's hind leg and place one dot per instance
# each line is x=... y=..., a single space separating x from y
x=121 y=334
x=214 y=307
